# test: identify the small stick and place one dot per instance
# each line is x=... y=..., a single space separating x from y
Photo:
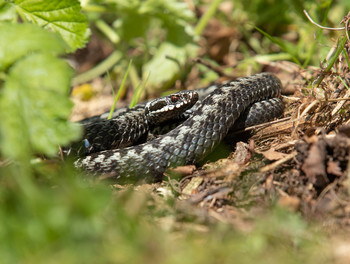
x=278 y=162
x=261 y=125
x=313 y=22
x=306 y=110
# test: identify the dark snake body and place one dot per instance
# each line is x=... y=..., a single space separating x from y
x=132 y=126
x=194 y=138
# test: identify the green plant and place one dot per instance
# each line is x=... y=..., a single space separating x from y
x=48 y=213
x=152 y=29
x=286 y=33
x=35 y=81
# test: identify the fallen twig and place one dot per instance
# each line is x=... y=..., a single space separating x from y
x=278 y=162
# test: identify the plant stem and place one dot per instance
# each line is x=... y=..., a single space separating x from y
x=94 y=8
x=331 y=62
x=107 y=31
x=133 y=76
x=346 y=56
x=206 y=17
x=101 y=68
x=138 y=91
x=120 y=91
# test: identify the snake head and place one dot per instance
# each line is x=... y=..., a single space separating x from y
x=168 y=107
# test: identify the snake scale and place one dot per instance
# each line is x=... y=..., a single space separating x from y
x=205 y=126
x=132 y=126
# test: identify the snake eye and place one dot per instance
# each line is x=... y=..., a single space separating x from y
x=174 y=98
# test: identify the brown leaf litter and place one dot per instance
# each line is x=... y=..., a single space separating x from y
x=302 y=159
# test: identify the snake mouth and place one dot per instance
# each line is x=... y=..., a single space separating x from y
x=164 y=107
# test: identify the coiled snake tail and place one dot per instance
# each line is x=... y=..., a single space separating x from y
x=190 y=141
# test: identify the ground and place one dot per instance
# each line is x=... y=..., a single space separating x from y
x=273 y=193
x=298 y=162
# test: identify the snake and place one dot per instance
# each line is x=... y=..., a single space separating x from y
x=132 y=126
x=238 y=103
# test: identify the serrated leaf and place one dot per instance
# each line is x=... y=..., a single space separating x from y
x=61 y=16
x=34 y=106
x=17 y=40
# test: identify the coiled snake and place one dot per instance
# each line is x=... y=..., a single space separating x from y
x=206 y=124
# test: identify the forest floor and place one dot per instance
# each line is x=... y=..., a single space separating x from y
x=299 y=162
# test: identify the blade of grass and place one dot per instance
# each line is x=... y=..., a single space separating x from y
x=270 y=57
x=331 y=62
x=342 y=80
x=133 y=76
x=318 y=33
x=346 y=55
x=279 y=43
x=101 y=68
x=120 y=91
x=133 y=99
x=138 y=92
x=206 y=17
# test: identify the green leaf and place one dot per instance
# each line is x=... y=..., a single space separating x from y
x=172 y=15
x=164 y=70
x=7 y=12
x=284 y=45
x=130 y=30
x=17 y=40
x=34 y=106
x=61 y=16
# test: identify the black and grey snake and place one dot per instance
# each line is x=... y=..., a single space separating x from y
x=205 y=125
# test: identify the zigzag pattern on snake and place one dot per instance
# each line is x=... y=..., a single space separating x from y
x=194 y=138
x=132 y=126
